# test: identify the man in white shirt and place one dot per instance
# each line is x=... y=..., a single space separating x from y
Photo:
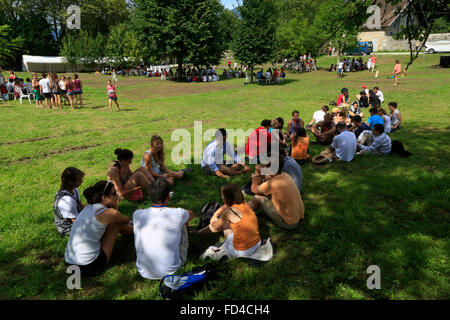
x=160 y=234
x=344 y=144
x=380 y=94
x=213 y=162
x=44 y=86
x=318 y=116
x=381 y=144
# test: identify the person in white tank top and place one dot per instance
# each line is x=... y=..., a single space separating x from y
x=95 y=230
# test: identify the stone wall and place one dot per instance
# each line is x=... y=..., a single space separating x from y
x=382 y=42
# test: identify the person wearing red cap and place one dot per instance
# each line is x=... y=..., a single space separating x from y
x=364 y=87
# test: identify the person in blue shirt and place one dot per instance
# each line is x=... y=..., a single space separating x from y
x=374 y=118
x=359 y=126
x=213 y=162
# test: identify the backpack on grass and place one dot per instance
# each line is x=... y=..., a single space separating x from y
x=176 y=287
x=207 y=213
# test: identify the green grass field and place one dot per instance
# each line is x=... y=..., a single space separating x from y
x=391 y=212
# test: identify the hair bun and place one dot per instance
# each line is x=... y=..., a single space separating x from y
x=117 y=151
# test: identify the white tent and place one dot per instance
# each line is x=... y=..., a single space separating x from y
x=49 y=64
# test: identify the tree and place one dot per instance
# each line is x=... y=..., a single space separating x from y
x=9 y=46
x=83 y=48
x=123 y=48
x=179 y=29
x=254 y=42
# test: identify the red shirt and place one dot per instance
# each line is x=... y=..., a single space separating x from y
x=253 y=148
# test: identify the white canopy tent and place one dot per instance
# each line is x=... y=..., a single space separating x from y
x=49 y=64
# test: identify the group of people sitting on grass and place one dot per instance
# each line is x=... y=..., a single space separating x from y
x=270 y=75
x=160 y=232
x=305 y=63
x=353 y=65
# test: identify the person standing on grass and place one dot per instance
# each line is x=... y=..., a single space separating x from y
x=112 y=95
x=63 y=89
x=95 y=230
x=397 y=71
x=44 y=89
x=114 y=75
x=36 y=90
x=160 y=234
x=70 y=93
x=78 y=89
x=67 y=204
x=154 y=161
x=56 y=91
x=238 y=222
x=125 y=181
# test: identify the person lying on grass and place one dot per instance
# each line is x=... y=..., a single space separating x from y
x=324 y=130
x=278 y=196
x=238 y=222
x=374 y=142
x=160 y=234
x=95 y=230
x=125 y=181
x=213 y=162
x=67 y=204
x=154 y=161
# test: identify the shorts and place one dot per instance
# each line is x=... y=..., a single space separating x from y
x=63 y=91
x=37 y=95
x=77 y=91
x=71 y=93
x=95 y=267
x=113 y=98
x=47 y=95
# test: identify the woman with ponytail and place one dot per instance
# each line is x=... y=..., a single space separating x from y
x=95 y=230
x=125 y=181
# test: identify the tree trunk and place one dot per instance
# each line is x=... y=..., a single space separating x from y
x=179 y=68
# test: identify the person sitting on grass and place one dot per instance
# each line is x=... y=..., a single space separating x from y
x=112 y=95
x=292 y=168
x=125 y=181
x=377 y=142
x=278 y=124
x=160 y=234
x=386 y=120
x=324 y=130
x=318 y=116
x=220 y=146
x=294 y=124
x=255 y=148
x=154 y=161
x=396 y=117
x=359 y=126
x=374 y=118
x=355 y=110
x=67 y=204
x=238 y=222
x=95 y=230
x=300 y=145
x=344 y=144
x=374 y=100
x=363 y=99
x=343 y=99
x=278 y=196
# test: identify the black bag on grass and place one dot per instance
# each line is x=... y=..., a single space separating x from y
x=176 y=287
x=207 y=213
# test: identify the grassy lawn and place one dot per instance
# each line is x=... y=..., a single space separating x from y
x=391 y=212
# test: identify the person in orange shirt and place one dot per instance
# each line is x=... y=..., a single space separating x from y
x=397 y=71
x=238 y=222
x=300 y=145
